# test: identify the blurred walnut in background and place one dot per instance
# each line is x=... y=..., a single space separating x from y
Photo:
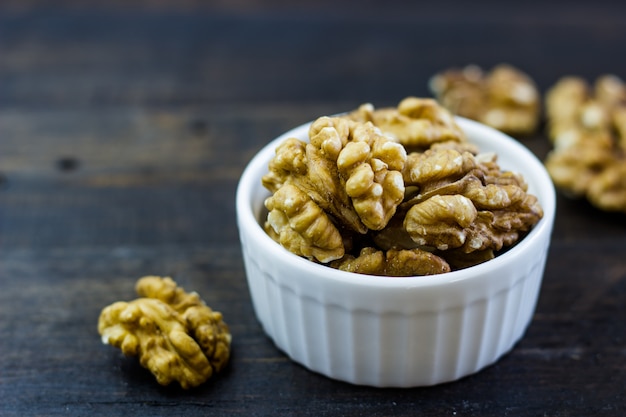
x=504 y=98
x=587 y=126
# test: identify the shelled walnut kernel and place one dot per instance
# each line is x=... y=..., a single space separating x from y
x=175 y=334
x=504 y=98
x=394 y=191
x=587 y=126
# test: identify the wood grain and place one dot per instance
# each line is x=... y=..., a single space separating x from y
x=123 y=132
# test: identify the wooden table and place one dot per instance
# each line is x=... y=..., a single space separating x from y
x=123 y=132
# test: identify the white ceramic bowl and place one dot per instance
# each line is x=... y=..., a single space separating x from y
x=395 y=332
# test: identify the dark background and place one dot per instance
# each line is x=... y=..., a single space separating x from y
x=124 y=127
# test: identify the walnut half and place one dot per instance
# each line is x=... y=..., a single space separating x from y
x=504 y=98
x=174 y=333
x=587 y=126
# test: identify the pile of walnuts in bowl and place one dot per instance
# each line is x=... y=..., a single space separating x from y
x=394 y=191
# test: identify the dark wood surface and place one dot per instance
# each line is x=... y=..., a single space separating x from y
x=124 y=129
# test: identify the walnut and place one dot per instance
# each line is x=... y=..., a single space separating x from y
x=394 y=191
x=465 y=201
x=350 y=170
x=371 y=166
x=394 y=236
x=575 y=162
x=587 y=125
x=504 y=98
x=416 y=123
x=175 y=334
x=308 y=168
x=608 y=188
x=435 y=165
x=441 y=221
x=458 y=259
x=563 y=103
x=460 y=147
x=461 y=91
x=398 y=263
x=448 y=171
x=453 y=222
x=619 y=124
x=301 y=226
x=289 y=162
x=610 y=91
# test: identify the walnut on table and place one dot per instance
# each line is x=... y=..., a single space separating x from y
x=175 y=334
x=587 y=126
x=394 y=191
x=608 y=188
x=505 y=97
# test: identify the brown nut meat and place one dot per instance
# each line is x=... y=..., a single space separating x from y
x=587 y=125
x=447 y=171
x=470 y=204
x=396 y=263
x=442 y=221
x=314 y=172
x=352 y=198
x=452 y=222
x=608 y=189
x=301 y=226
x=436 y=165
x=350 y=170
x=416 y=123
x=573 y=164
x=504 y=98
x=458 y=259
x=371 y=166
x=175 y=334
x=563 y=103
